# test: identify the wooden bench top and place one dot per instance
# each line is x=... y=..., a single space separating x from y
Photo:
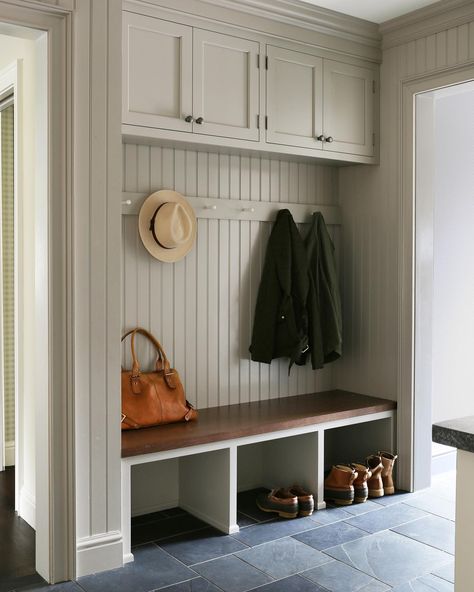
x=248 y=419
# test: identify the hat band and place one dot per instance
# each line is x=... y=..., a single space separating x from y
x=152 y=228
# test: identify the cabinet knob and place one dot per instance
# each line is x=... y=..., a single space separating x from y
x=188 y=119
x=199 y=120
x=329 y=139
x=321 y=138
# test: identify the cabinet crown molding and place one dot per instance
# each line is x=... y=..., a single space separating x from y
x=426 y=21
x=299 y=14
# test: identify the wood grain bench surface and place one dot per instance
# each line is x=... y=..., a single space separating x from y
x=248 y=419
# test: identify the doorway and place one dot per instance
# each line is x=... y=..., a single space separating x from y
x=23 y=297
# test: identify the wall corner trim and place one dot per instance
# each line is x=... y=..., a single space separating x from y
x=426 y=21
x=99 y=552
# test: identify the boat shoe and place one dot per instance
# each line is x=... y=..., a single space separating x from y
x=281 y=501
x=305 y=500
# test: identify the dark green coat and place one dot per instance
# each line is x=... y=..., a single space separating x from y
x=281 y=320
x=324 y=300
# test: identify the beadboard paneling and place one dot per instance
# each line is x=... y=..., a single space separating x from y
x=370 y=201
x=201 y=308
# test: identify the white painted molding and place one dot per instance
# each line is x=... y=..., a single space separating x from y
x=9 y=453
x=236 y=209
x=232 y=529
x=28 y=507
x=426 y=21
x=99 y=550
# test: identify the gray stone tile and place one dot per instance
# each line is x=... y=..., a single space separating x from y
x=338 y=577
x=201 y=546
x=283 y=557
x=396 y=498
x=364 y=508
x=195 y=585
x=431 y=530
x=149 y=532
x=243 y=520
x=231 y=574
x=434 y=505
x=152 y=569
x=63 y=587
x=428 y=583
x=446 y=572
x=292 y=584
x=386 y=518
x=329 y=515
x=270 y=531
x=246 y=503
x=330 y=536
x=390 y=557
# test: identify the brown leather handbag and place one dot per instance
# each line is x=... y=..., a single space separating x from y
x=152 y=398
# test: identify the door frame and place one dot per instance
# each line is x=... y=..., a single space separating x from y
x=414 y=366
x=55 y=538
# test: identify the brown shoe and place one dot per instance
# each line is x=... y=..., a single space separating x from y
x=281 y=501
x=338 y=485
x=361 y=491
x=305 y=500
x=388 y=460
x=375 y=484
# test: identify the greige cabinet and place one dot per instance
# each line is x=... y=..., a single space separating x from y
x=294 y=98
x=157 y=73
x=317 y=103
x=183 y=78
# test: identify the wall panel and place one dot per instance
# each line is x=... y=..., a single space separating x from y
x=201 y=308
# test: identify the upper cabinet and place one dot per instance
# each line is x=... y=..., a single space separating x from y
x=185 y=83
x=157 y=73
x=182 y=78
x=226 y=85
x=318 y=103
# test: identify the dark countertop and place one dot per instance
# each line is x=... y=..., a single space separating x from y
x=458 y=433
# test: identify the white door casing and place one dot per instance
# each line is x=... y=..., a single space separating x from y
x=348 y=112
x=225 y=85
x=294 y=98
x=156 y=73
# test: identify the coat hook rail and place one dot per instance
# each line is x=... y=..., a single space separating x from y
x=236 y=209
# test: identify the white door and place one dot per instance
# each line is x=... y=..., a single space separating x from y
x=294 y=98
x=156 y=73
x=348 y=108
x=226 y=85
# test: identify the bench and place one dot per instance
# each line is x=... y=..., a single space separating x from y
x=283 y=440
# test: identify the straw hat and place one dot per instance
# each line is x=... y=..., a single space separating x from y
x=167 y=225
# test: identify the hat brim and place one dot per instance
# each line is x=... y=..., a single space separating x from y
x=149 y=206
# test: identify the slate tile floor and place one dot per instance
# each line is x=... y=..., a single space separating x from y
x=402 y=543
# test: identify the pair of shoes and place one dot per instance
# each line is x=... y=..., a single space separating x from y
x=287 y=503
x=346 y=484
x=381 y=482
x=356 y=482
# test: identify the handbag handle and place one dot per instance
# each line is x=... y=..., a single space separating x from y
x=162 y=362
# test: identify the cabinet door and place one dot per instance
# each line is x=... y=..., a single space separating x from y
x=294 y=98
x=348 y=108
x=226 y=85
x=157 y=73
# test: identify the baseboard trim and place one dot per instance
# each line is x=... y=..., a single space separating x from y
x=27 y=509
x=232 y=529
x=99 y=552
x=9 y=453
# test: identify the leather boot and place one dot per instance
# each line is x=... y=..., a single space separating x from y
x=375 y=484
x=281 y=501
x=338 y=485
x=388 y=460
x=305 y=500
x=361 y=491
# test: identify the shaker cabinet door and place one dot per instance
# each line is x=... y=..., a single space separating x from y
x=226 y=86
x=294 y=98
x=348 y=108
x=157 y=73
